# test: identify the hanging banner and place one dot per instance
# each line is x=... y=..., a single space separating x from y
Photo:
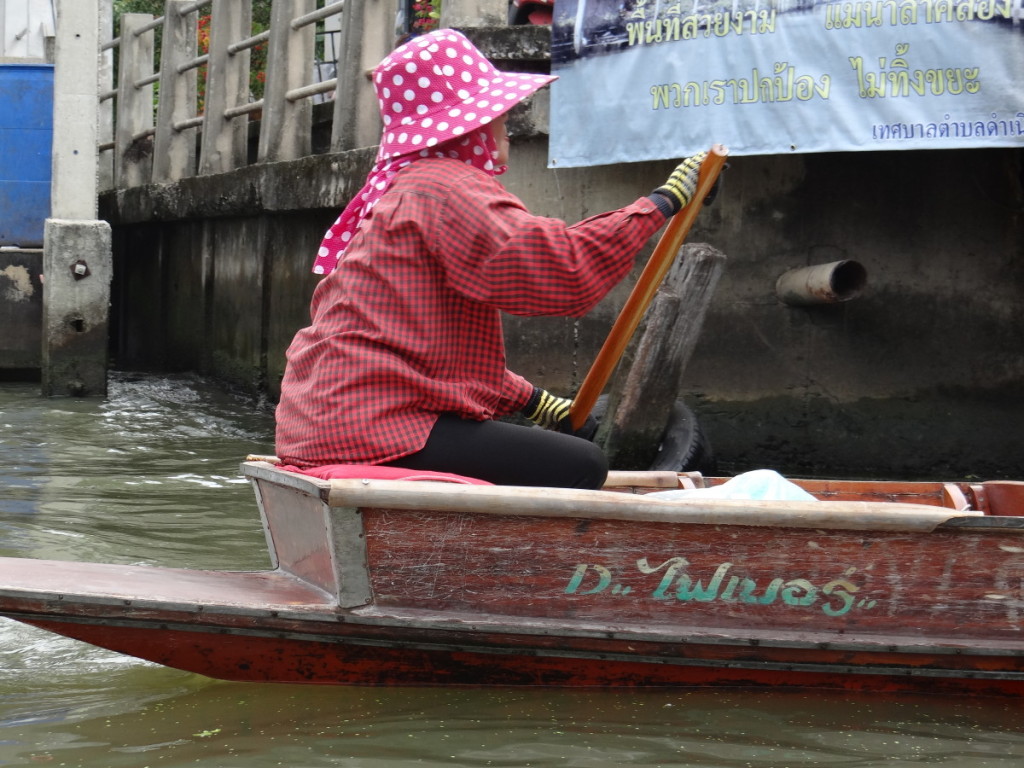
x=661 y=79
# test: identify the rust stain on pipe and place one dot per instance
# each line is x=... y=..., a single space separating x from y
x=822 y=283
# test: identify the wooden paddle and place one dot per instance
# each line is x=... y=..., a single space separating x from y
x=643 y=292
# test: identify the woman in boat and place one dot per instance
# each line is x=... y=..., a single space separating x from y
x=404 y=362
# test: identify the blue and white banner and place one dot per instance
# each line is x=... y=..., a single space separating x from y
x=661 y=79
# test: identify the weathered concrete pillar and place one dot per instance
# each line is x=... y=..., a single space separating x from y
x=225 y=139
x=76 y=247
x=105 y=82
x=474 y=13
x=75 y=111
x=133 y=163
x=76 y=297
x=174 y=154
x=285 y=132
x=367 y=36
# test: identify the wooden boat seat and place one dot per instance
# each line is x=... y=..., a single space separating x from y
x=646 y=481
x=997 y=497
x=954 y=498
x=994 y=497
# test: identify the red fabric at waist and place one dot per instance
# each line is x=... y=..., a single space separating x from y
x=372 y=472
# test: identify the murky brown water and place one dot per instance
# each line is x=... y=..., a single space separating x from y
x=151 y=476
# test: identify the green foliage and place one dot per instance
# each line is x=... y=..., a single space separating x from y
x=260 y=11
x=426 y=15
x=258 y=55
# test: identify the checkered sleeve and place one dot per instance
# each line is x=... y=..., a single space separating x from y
x=498 y=253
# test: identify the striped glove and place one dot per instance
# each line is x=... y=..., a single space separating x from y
x=682 y=184
x=551 y=412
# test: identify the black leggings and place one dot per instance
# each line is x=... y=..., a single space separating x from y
x=508 y=454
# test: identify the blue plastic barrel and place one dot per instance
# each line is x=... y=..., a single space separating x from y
x=26 y=138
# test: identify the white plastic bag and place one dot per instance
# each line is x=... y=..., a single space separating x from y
x=759 y=484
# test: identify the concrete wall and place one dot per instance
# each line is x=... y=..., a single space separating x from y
x=924 y=374
x=920 y=376
x=21 y=311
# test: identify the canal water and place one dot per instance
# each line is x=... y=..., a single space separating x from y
x=150 y=476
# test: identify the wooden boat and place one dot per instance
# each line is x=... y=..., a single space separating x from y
x=875 y=586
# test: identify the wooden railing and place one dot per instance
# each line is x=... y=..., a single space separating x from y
x=167 y=138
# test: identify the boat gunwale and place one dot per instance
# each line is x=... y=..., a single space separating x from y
x=608 y=504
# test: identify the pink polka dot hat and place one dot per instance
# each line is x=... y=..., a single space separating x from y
x=437 y=93
x=438 y=86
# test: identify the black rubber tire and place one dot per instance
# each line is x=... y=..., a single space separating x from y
x=684 y=446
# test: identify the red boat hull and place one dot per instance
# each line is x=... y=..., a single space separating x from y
x=291 y=660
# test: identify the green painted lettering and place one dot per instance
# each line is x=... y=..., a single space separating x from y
x=604 y=579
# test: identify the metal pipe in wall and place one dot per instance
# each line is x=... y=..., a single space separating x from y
x=822 y=283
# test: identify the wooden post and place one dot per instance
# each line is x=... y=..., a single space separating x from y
x=133 y=161
x=175 y=150
x=366 y=38
x=639 y=407
x=665 y=253
x=224 y=144
x=286 y=124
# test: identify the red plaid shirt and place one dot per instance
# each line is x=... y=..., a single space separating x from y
x=408 y=326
